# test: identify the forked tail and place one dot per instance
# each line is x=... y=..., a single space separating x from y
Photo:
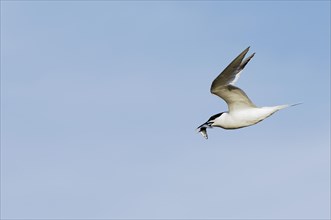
x=286 y=106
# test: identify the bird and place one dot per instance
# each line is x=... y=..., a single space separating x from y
x=242 y=112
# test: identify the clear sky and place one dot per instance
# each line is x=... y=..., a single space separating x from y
x=100 y=101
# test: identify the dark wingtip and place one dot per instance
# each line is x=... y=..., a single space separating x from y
x=246 y=50
x=243 y=64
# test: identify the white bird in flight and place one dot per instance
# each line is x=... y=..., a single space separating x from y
x=241 y=110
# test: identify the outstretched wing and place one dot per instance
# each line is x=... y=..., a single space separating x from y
x=223 y=85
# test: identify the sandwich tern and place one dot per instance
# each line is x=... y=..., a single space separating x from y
x=241 y=110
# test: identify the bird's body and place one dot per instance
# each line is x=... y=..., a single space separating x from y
x=244 y=117
x=242 y=112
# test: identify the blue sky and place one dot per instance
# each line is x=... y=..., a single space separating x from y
x=100 y=101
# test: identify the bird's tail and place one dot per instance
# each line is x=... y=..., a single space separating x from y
x=279 y=107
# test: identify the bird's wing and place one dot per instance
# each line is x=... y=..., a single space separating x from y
x=234 y=97
x=223 y=85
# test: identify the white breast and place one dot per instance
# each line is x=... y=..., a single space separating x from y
x=244 y=117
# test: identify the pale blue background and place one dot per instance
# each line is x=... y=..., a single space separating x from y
x=100 y=101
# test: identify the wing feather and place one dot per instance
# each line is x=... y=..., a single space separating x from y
x=234 y=97
x=223 y=85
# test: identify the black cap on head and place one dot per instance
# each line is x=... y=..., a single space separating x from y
x=215 y=116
